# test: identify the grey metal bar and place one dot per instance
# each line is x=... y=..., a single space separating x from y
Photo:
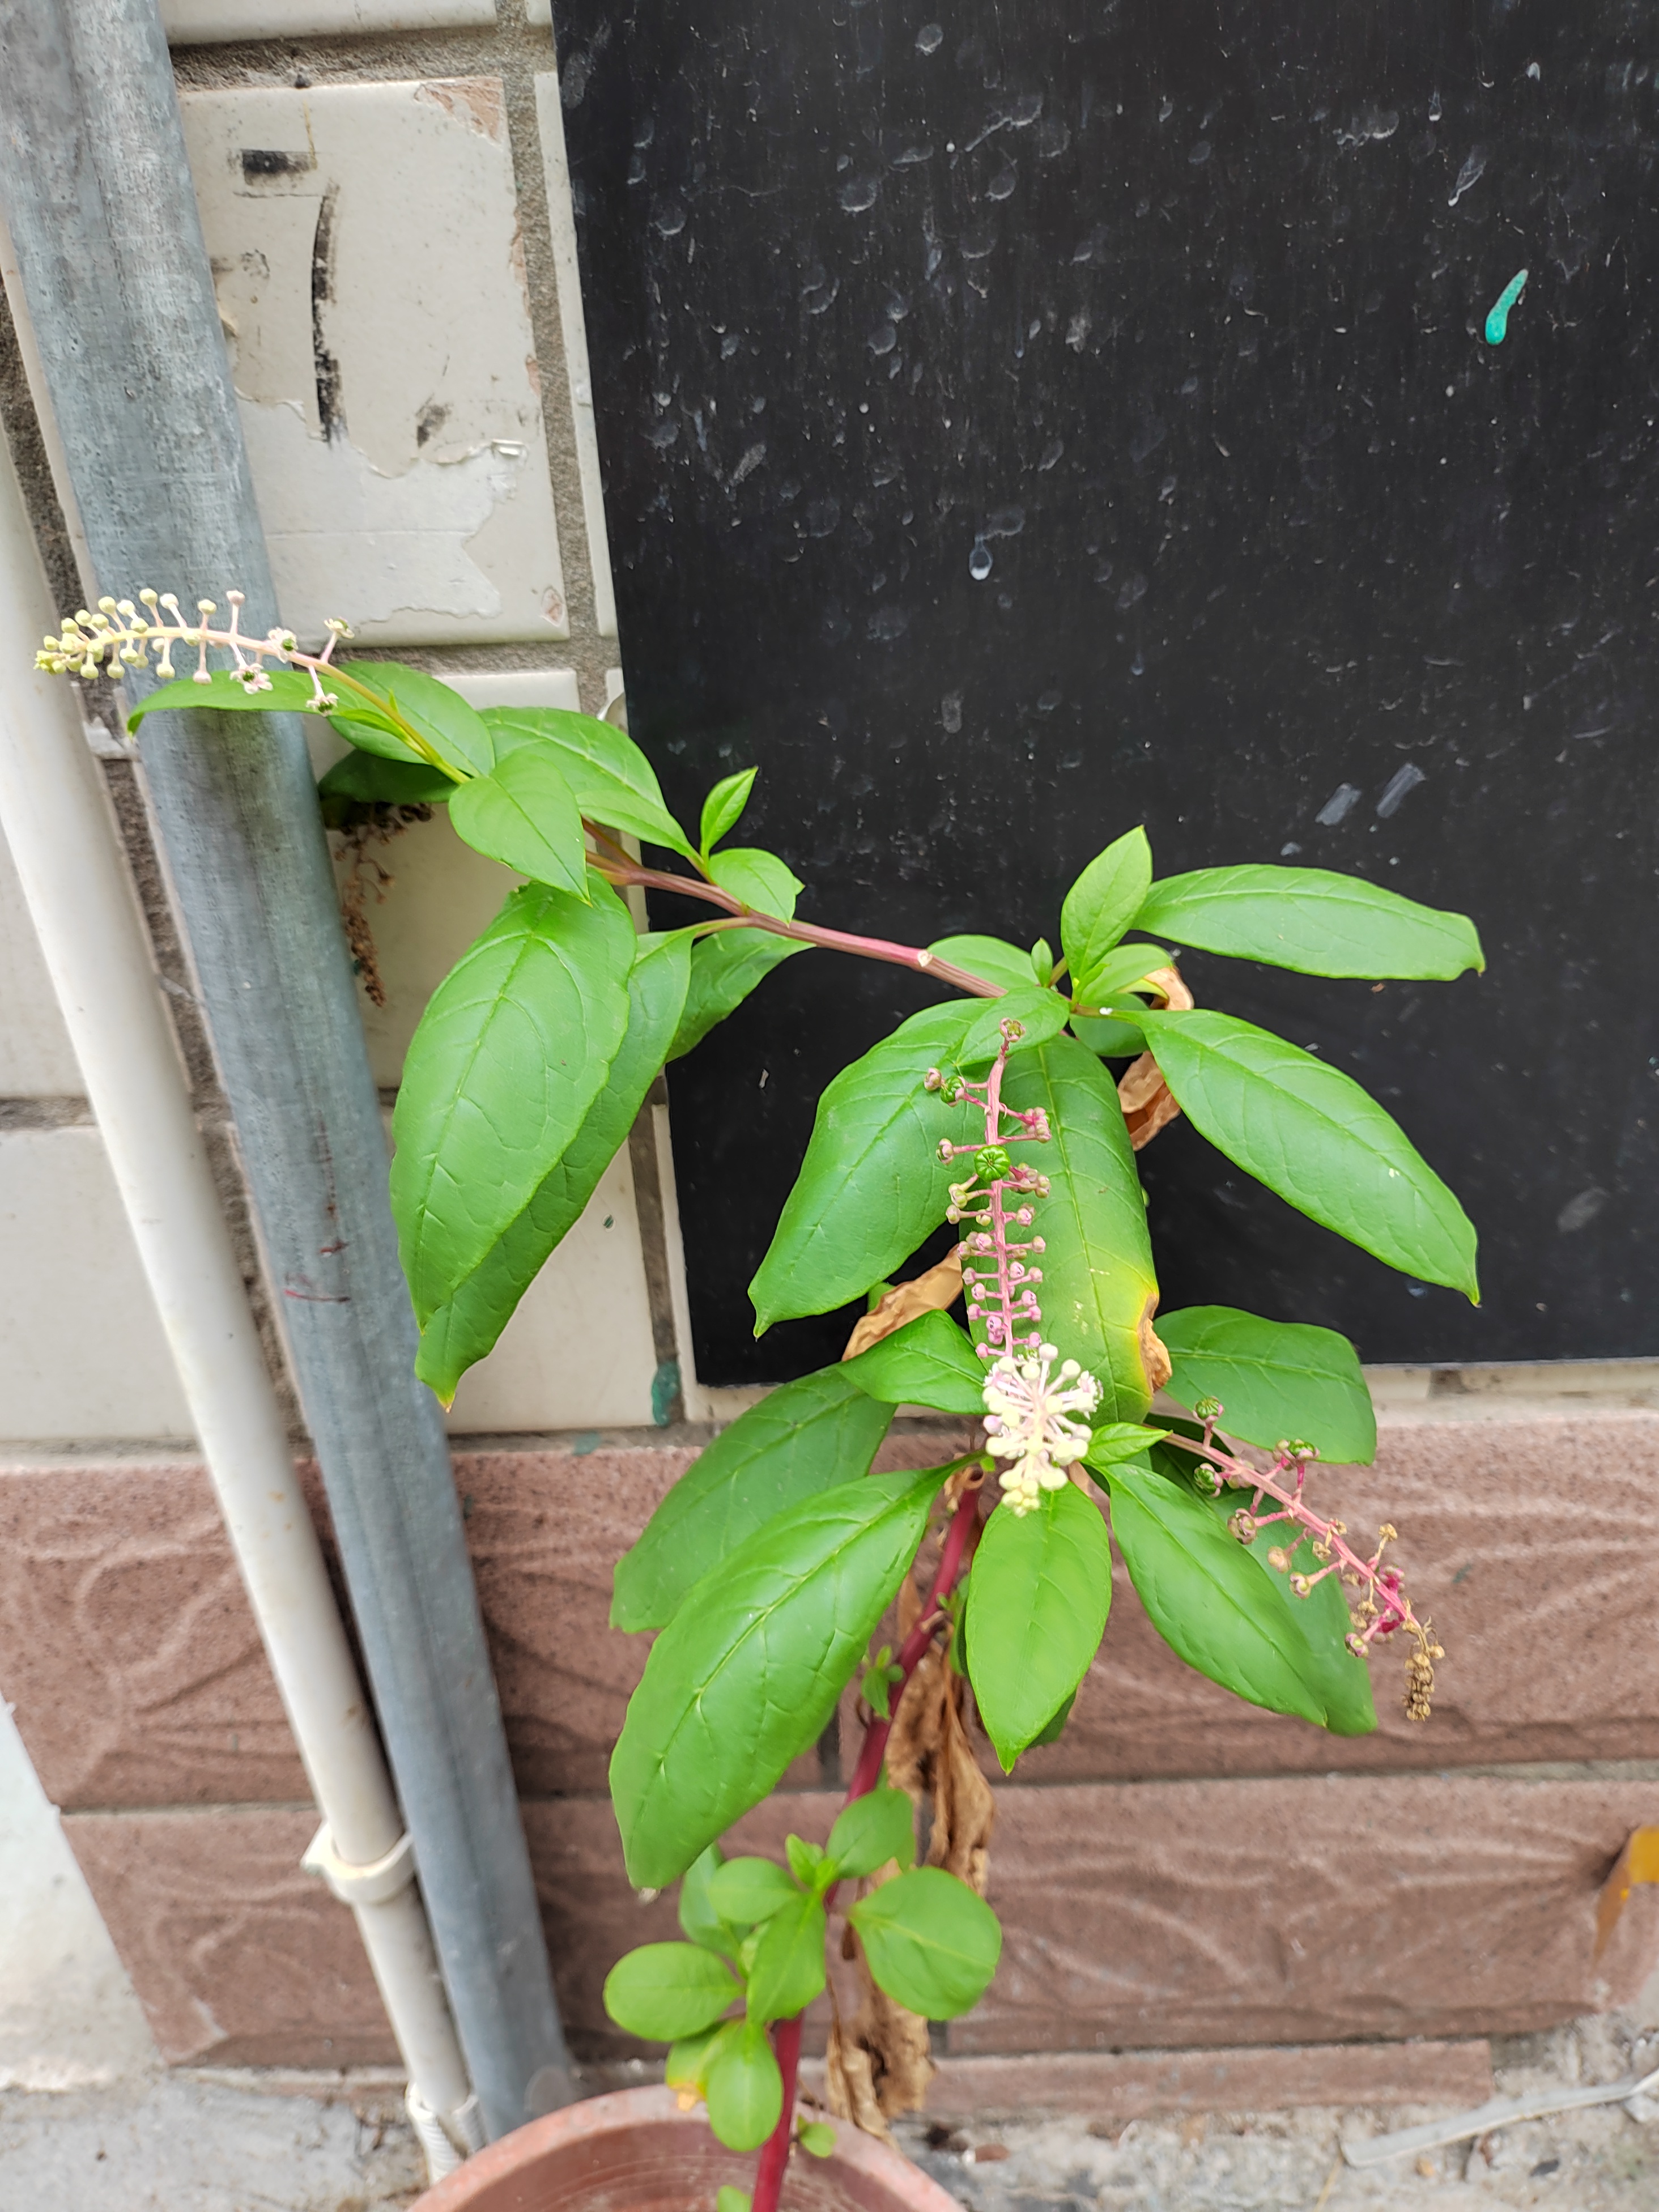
x=104 y=222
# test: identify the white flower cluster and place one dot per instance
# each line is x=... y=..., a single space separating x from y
x=1028 y=1407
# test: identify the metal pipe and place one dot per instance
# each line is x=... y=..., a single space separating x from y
x=108 y=241
x=57 y=821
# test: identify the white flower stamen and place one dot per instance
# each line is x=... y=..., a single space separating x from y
x=1028 y=1409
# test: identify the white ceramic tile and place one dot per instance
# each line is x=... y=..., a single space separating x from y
x=370 y=274
x=81 y=1352
x=211 y=22
x=517 y=687
x=36 y=1058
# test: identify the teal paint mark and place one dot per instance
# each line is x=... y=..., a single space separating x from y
x=588 y=1441
x=1498 y=322
x=664 y=1392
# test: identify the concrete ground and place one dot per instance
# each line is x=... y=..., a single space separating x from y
x=91 y=2121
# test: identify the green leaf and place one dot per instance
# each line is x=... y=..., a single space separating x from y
x=808 y=1862
x=724 y=805
x=467 y=1325
x=725 y=969
x=730 y=2199
x=800 y=1440
x=1313 y=921
x=613 y=782
x=992 y=957
x=1274 y=1378
x=454 y=731
x=789 y=1969
x=759 y=879
x=1055 y=1727
x=1037 y=1596
x=747 y=1674
x=1109 y=1040
x=1043 y=960
x=928 y=1362
x=1115 y=1440
x=370 y=780
x=745 y=2089
x=664 y=1991
x=689 y=2060
x=874 y=1828
x=512 y=1051
x=1309 y=1132
x=816 y=2138
x=698 y=1913
x=745 y=1891
x=289 y=692
x=1123 y=969
x=1209 y=1598
x=524 y=815
x=932 y=1944
x=871 y=1185
x=1041 y=1014
x=1104 y=901
x=1097 y=1269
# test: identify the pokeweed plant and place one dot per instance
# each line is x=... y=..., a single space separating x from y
x=768 y=1570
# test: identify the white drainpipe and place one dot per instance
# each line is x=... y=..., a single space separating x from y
x=61 y=829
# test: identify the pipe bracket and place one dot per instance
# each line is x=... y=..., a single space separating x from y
x=372 y=1884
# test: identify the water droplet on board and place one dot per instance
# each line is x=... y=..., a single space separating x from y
x=979 y=562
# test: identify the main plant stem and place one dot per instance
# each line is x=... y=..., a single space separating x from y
x=785 y=2035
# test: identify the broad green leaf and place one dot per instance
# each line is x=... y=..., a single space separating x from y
x=1203 y=1591
x=524 y=815
x=874 y=1828
x=370 y=780
x=724 y=805
x=1309 y=1132
x=928 y=1362
x=1124 y=968
x=1274 y=1378
x=1313 y=921
x=454 y=731
x=698 y=1914
x=1097 y=1276
x=289 y=692
x=510 y=1054
x=1037 y=1596
x=789 y=1969
x=932 y=1944
x=873 y=1184
x=992 y=957
x=466 y=1326
x=1109 y=1040
x=666 y=1991
x=748 y=1672
x=759 y=879
x=613 y=782
x=688 y=2063
x=1042 y=1014
x=1055 y=1727
x=744 y=1892
x=745 y=2089
x=725 y=969
x=1115 y=1440
x=1104 y=902
x=800 y=1439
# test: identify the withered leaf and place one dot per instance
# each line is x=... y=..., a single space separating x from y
x=1148 y=1103
x=940 y=1288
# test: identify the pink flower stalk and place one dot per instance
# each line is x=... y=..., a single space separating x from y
x=118 y=636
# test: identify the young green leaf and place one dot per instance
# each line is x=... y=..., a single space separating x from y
x=928 y=1362
x=698 y=1913
x=932 y=1944
x=874 y=1828
x=992 y=957
x=759 y=879
x=724 y=805
x=1037 y=1596
x=789 y=1969
x=664 y=1991
x=746 y=1674
x=364 y=779
x=745 y=2089
x=1097 y=1269
x=1116 y=1039
x=290 y=691
x=690 y=2059
x=510 y=1054
x=613 y=782
x=1043 y=960
x=466 y=1326
x=1313 y=921
x=1115 y=1440
x=725 y=969
x=816 y=2138
x=871 y=1185
x=1104 y=901
x=1274 y=1379
x=524 y=814
x=800 y=1439
x=1041 y=1014
x=1205 y=1595
x=417 y=701
x=808 y=1861
x=745 y=1891
x=730 y=2199
x=1125 y=968
x=1309 y=1132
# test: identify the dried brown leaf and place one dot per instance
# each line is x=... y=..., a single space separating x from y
x=940 y=1288
x=1154 y=1353
x=1148 y=1103
x=878 y=2063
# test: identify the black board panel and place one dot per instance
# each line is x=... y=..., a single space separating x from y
x=1021 y=424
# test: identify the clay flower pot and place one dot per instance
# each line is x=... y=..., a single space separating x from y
x=636 y=2151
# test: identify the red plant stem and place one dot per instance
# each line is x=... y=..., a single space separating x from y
x=775 y=2151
